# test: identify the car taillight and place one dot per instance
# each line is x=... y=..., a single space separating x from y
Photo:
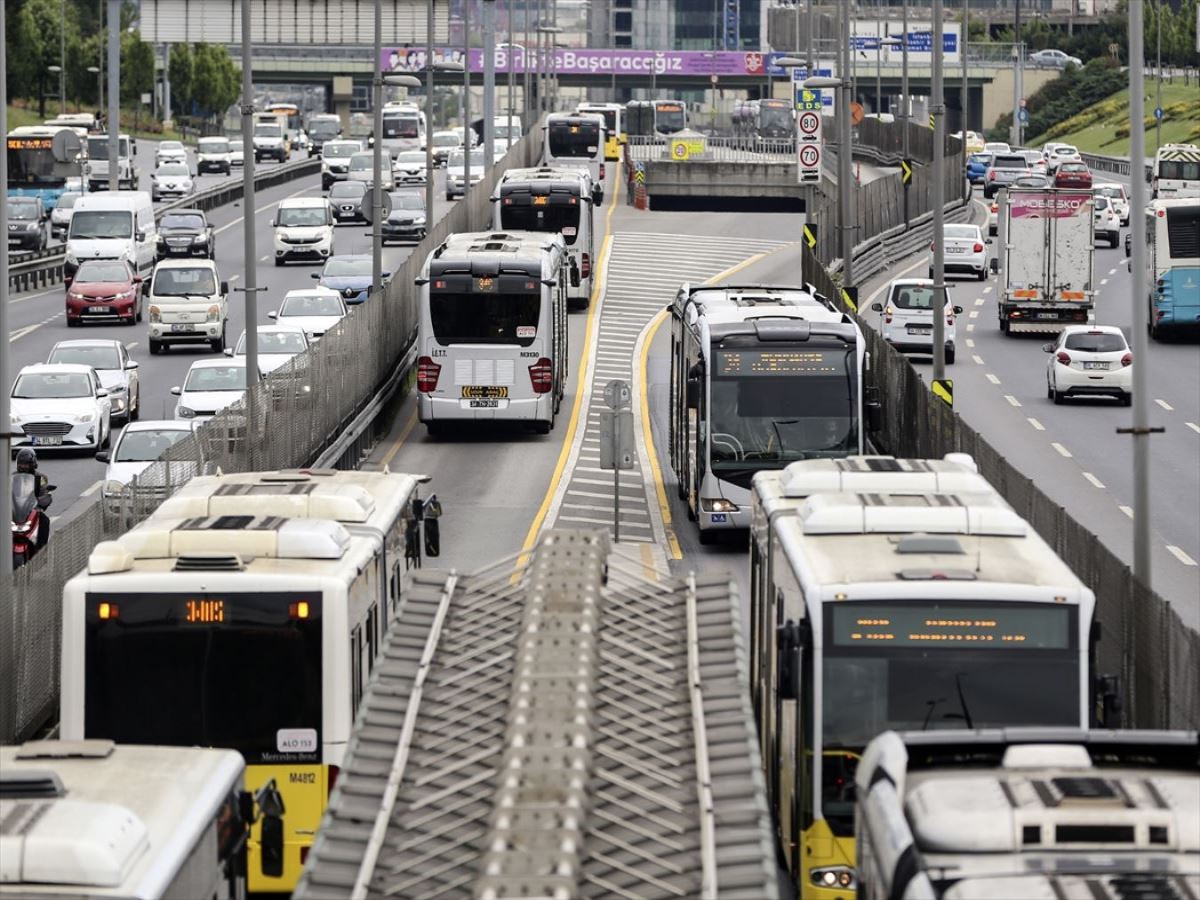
x=991 y=175
x=977 y=247
x=428 y=373
x=585 y=265
x=1127 y=359
x=995 y=206
x=887 y=316
x=541 y=375
x=1064 y=358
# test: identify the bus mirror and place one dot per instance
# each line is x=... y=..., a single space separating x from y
x=995 y=264
x=574 y=273
x=874 y=409
x=1128 y=245
x=418 y=508
x=693 y=393
x=787 y=637
x=271 y=846
x=433 y=538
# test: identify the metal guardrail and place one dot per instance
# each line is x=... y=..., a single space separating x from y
x=36 y=270
x=1118 y=165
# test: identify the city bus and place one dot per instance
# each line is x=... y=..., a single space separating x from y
x=572 y=140
x=403 y=127
x=99 y=819
x=558 y=201
x=1173 y=264
x=40 y=162
x=492 y=330
x=614 y=125
x=773 y=121
x=760 y=377
x=1176 y=172
x=247 y=613
x=654 y=118
x=290 y=118
x=902 y=611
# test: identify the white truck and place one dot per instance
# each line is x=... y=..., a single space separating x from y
x=1046 y=241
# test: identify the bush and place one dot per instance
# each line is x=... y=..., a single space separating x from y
x=1065 y=97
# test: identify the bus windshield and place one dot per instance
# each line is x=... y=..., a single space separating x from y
x=562 y=218
x=401 y=127
x=31 y=162
x=669 y=118
x=610 y=118
x=774 y=117
x=482 y=318
x=173 y=669
x=580 y=141
x=772 y=407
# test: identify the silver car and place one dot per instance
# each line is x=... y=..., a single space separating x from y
x=1053 y=59
x=170 y=180
x=118 y=372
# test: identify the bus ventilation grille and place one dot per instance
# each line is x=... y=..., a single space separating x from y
x=215 y=562
x=30 y=786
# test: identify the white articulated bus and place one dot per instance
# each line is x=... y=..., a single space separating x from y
x=245 y=613
x=1033 y=813
x=760 y=377
x=614 y=125
x=557 y=201
x=492 y=330
x=1173 y=265
x=98 y=819
x=576 y=140
x=902 y=611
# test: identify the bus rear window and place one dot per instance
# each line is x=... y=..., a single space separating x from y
x=559 y=217
x=1183 y=233
x=484 y=318
x=400 y=128
x=574 y=141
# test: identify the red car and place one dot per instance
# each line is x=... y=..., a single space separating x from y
x=1073 y=175
x=104 y=290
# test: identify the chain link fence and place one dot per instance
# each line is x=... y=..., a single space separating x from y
x=288 y=420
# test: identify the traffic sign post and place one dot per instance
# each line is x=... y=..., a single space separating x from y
x=1023 y=116
x=616 y=440
x=809 y=144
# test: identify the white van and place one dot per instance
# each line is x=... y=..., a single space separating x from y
x=213 y=154
x=187 y=303
x=303 y=230
x=112 y=225
x=97 y=164
x=576 y=140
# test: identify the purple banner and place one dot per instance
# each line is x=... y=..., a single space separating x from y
x=569 y=61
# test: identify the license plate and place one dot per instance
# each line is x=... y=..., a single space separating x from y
x=1095 y=365
x=484 y=392
x=956 y=249
x=100 y=310
x=483 y=404
x=914 y=330
x=178 y=328
x=1047 y=315
x=53 y=440
x=720 y=518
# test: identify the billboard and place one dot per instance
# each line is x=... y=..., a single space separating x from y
x=573 y=61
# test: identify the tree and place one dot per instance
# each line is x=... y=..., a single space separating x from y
x=215 y=79
x=137 y=68
x=24 y=52
x=179 y=68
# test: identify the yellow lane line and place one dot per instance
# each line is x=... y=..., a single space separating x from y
x=400 y=439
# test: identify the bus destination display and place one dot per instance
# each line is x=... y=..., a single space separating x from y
x=743 y=363
x=30 y=143
x=994 y=626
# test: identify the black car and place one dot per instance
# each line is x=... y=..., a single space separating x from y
x=186 y=232
x=26 y=223
x=347 y=199
x=407 y=220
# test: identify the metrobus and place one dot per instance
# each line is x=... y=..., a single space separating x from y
x=614 y=125
x=403 y=127
x=774 y=121
x=655 y=118
x=39 y=164
x=902 y=611
x=99 y=819
x=574 y=140
x=1173 y=264
x=247 y=613
x=558 y=201
x=1028 y=813
x=760 y=377
x=1176 y=172
x=492 y=330
x=290 y=118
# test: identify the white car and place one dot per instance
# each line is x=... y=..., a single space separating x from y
x=137 y=446
x=277 y=344
x=1115 y=193
x=906 y=317
x=237 y=155
x=60 y=216
x=118 y=373
x=409 y=167
x=362 y=168
x=1105 y=221
x=965 y=251
x=996 y=147
x=170 y=152
x=1090 y=360
x=62 y=405
x=993 y=216
x=1053 y=59
x=210 y=386
x=269 y=140
x=313 y=310
x=444 y=142
x=303 y=230
x=456 y=172
x=1060 y=154
x=214 y=154
x=335 y=160
x=170 y=180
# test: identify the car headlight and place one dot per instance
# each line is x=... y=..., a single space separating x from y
x=117 y=389
x=419 y=220
x=200 y=239
x=155 y=314
x=214 y=313
x=85 y=417
x=833 y=877
x=185 y=412
x=71 y=259
x=123 y=295
x=15 y=419
x=75 y=295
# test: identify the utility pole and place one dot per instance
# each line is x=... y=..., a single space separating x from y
x=1141 y=430
x=489 y=82
x=62 y=61
x=114 y=94
x=511 y=58
x=810 y=51
x=1015 y=131
x=376 y=294
x=963 y=43
x=466 y=107
x=5 y=403
x=429 y=218
x=937 y=194
x=100 y=67
x=1158 y=85
x=525 y=60
x=845 y=179
x=905 y=102
x=250 y=254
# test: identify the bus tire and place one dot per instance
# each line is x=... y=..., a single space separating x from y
x=542 y=427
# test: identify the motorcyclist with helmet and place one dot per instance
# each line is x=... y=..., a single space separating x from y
x=27 y=464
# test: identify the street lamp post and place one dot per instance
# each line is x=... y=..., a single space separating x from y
x=1158 y=9
x=62 y=60
x=937 y=192
x=429 y=114
x=489 y=81
x=114 y=94
x=881 y=43
x=846 y=238
x=466 y=107
x=62 y=90
x=249 y=253
x=5 y=408
x=377 y=160
x=905 y=100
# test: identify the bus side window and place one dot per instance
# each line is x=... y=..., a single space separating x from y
x=372 y=640
x=356 y=673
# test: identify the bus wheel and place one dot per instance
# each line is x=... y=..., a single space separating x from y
x=542 y=427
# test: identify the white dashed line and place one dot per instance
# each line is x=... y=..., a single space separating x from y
x=992 y=378
x=1193 y=426
x=971 y=327
x=1164 y=404
x=1096 y=482
x=978 y=360
x=1062 y=451
x=1103 y=281
x=970 y=343
x=987 y=290
x=263 y=258
x=1112 y=271
x=87 y=492
x=979 y=301
x=1128 y=510
x=1180 y=555
x=974 y=314
x=233 y=278
x=131 y=345
x=1035 y=423
x=1012 y=401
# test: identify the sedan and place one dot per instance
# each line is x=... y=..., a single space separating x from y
x=170 y=152
x=407 y=219
x=118 y=373
x=977 y=166
x=104 y=290
x=277 y=344
x=456 y=168
x=350 y=276
x=314 y=310
x=1053 y=59
x=210 y=386
x=362 y=168
x=965 y=251
x=1073 y=175
x=1090 y=360
x=170 y=180
x=237 y=156
x=409 y=167
x=348 y=199
x=26 y=223
x=59 y=406
x=186 y=232
x=134 y=450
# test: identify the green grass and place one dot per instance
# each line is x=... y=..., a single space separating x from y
x=28 y=115
x=1104 y=127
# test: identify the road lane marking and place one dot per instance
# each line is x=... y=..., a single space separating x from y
x=1103 y=281
x=1035 y=423
x=992 y=378
x=1128 y=510
x=988 y=289
x=264 y=258
x=974 y=314
x=1180 y=555
x=262 y=209
x=970 y=343
x=400 y=439
x=131 y=345
x=977 y=359
x=971 y=327
x=1096 y=482
x=1062 y=451
x=1193 y=426
x=87 y=492
x=979 y=301
x=1164 y=404
x=1112 y=271
x=1012 y=401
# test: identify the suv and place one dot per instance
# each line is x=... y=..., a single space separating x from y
x=187 y=303
x=60 y=216
x=1004 y=169
x=269 y=140
x=213 y=154
x=1106 y=223
x=335 y=161
x=185 y=232
x=907 y=317
x=303 y=230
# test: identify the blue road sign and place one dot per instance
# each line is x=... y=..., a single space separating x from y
x=1023 y=116
x=1158 y=112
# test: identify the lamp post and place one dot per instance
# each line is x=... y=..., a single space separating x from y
x=408 y=81
x=547 y=33
x=430 y=69
x=489 y=81
x=5 y=409
x=62 y=60
x=937 y=192
x=114 y=94
x=62 y=87
x=845 y=223
x=788 y=63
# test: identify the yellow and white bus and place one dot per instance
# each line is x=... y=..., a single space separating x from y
x=246 y=613
x=901 y=611
x=614 y=125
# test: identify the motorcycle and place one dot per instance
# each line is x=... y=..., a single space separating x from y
x=27 y=511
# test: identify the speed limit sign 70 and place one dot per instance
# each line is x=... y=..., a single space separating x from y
x=810 y=156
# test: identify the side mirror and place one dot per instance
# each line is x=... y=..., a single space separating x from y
x=102 y=456
x=995 y=264
x=229 y=351
x=431 y=512
x=316 y=276
x=141 y=235
x=1048 y=348
x=132 y=364
x=1128 y=245
x=693 y=393
x=958 y=310
x=273 y=315
x=787 y=639
x=177 y=390
x=103 y=392
x=137 y=279
x=270 y=804
x=224 y=287
x=877 y=307
x=874 y=408
x=385 y=275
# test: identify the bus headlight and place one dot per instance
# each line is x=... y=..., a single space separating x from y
x=833 y=877
x=718 y=506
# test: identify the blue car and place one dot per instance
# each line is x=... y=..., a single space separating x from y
x=977 y=166
x=350 y=276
